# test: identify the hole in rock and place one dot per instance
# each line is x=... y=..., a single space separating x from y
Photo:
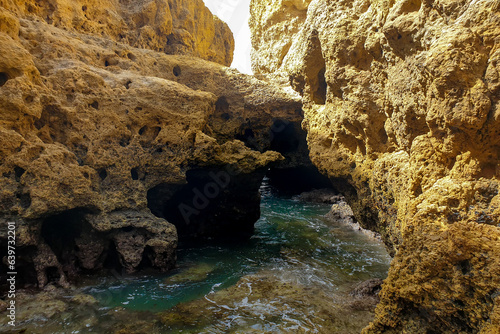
x=176 y=70
x=124 y=142
x=134 y=173
x=106 y=63
x=112 y=260
x=52 y=274
x=319 y=95
x=248 y=137
x=94 y=105
x=3 y=78
x=296 y=180
x=102 y=173
x=149 y=133
x=18 y=171
x=222 y=107
x=127 y=229
x=464 y=266
x=60 y=231
x=147 y=255
x=24 y=200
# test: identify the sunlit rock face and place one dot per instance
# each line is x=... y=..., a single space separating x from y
x=169 y=26
x=401 y=102
x=102 y=133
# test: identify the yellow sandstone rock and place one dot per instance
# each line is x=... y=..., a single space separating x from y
x=401 y=102
x=100 y=131
x=170 y=26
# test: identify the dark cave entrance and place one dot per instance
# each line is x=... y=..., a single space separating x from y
x=219 y=204
x=297 y=173
x=216 y=204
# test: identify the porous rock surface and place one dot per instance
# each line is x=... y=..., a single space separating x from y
x=169 y=26
x=100 y=128
x=401 y=102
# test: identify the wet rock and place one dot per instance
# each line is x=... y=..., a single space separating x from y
x=366 y=294
x=83 y=299
x=342 y=213
x=197 y=273
x=368 y=288
x=328 y=196
x=264 y=303
x=46 y=263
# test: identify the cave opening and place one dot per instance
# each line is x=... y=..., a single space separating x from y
x=297 y=173
x=284 y=137
x=73 y=241
x=296 y=180
x=112 y=260
x=60 y=231
x=216 y=204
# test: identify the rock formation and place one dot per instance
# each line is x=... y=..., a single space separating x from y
x=401 y=103
x=103 y=135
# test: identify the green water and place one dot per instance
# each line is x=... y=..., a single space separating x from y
x=292 y=240
x=292 y=276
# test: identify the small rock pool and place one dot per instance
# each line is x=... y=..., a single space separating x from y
x=293 y=276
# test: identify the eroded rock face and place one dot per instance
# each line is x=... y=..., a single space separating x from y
x=402 y=113
x=91 y=125
x=169 y=26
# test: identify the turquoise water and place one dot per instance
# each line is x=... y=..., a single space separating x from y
x=292 y=276
x=291 y=239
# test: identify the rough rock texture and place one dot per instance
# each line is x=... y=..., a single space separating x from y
x=170 y=26
x=401 y=104
x=98 y=134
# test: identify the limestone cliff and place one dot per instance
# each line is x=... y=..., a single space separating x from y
x=170 y=26
x=401 y=102
x=103 y=135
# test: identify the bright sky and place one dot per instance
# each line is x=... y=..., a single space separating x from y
x=236 y=14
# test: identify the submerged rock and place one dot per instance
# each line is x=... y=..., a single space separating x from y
x=366 y=294
x=401 y=109
x=197 y=273
x=328 y=196
x=264 y=303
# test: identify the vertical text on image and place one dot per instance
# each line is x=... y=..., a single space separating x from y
x=11 y=274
